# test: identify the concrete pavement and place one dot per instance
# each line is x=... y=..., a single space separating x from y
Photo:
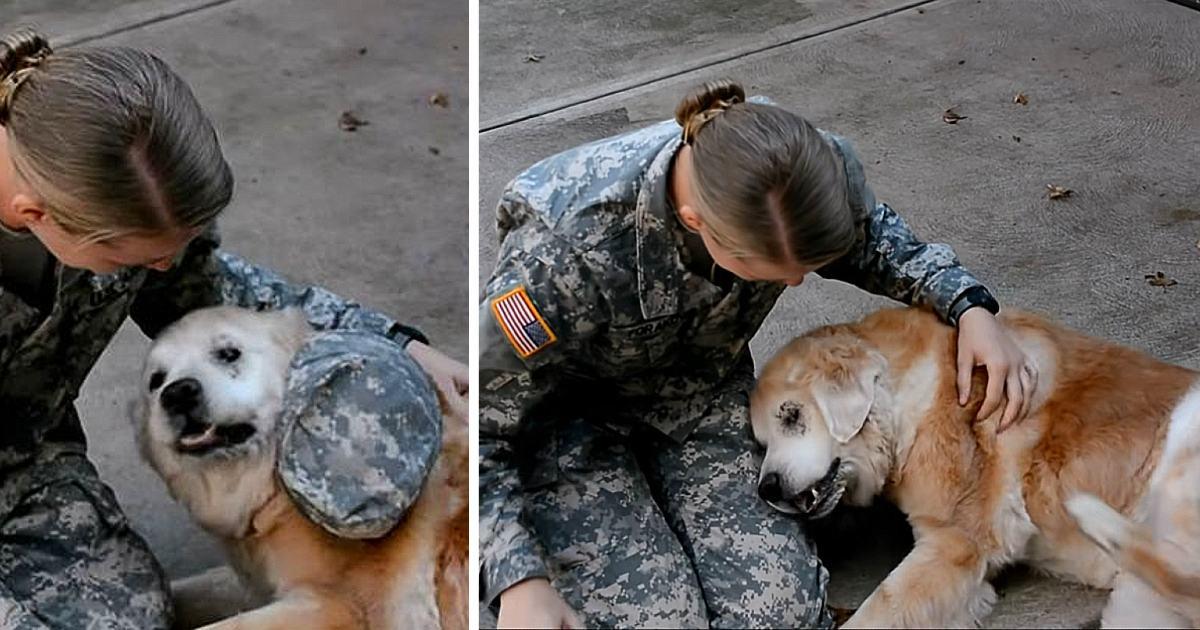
x=1113 y=113
x=379 y=215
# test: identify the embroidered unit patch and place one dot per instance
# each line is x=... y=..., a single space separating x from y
x=521 y=322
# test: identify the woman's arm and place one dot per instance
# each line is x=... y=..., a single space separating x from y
x=538 y=312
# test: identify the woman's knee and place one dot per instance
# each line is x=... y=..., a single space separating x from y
x=767 y=576
x=78 y=563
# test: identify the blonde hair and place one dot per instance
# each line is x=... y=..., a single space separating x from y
x=111 y=139
x=769 y=185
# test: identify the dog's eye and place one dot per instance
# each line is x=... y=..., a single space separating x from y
x=789 y=413
x=156 y=379
x=228 y=354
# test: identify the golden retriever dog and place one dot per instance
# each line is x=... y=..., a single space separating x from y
x=853 y=411
x=219 y=461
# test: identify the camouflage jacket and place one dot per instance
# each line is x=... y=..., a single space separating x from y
x=45 y=356
x=591 y=298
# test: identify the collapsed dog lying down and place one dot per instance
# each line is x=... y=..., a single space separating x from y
x=212 y=423
x=852 y=411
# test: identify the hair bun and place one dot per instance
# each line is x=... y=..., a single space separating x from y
x=703 y=104
x=20 y=52
x=21 y=49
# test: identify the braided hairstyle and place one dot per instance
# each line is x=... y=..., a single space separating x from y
x=769 y=186
x=110 y=139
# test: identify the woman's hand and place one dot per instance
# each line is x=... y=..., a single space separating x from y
x=1011 y=375
x=535 y=604
x=450 y=376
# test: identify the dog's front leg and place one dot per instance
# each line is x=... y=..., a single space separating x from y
x=298 y=609
x=940 y=584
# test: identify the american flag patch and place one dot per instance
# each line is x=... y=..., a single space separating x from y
x=522 y=323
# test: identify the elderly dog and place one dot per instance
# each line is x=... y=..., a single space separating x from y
x=853 y=411
x=208 y=423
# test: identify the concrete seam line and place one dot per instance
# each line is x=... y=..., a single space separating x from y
x=66 y=42
x=619 y=88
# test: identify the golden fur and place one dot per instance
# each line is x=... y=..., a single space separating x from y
x=976 y=500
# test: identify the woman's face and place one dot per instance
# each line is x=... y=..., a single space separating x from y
x=21 y=209
x=754 y=269
x=156 y=251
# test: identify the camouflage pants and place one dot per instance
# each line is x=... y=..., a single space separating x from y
x=643 y=531
x=68 y=557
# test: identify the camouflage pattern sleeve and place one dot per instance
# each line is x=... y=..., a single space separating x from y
x=888 y=259
x=518 y=371
x=206 y=276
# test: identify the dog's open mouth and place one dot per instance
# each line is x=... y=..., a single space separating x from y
x=198 y=437
x=820 y=498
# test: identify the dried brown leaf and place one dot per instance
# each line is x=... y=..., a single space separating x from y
x=1058 y=192
x=439 y=99
x=349 y=121
x=951 y=117
x=1021 y=99
x=1160 y=279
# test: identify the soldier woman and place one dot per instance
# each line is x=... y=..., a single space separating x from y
x=110 y=179
x=617 y=485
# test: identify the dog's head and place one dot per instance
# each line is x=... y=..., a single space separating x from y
x=214 y=381
x=808 y=411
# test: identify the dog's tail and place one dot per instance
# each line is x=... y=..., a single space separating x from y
x=1132 y=546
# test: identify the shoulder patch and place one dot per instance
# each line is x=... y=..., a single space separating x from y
x=521 y=322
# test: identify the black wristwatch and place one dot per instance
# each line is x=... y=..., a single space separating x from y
x=407 y=335
x=975 y=296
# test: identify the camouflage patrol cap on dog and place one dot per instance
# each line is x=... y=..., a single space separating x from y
x=361 y=429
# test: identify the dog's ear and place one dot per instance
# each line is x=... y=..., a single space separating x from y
x=846 y=393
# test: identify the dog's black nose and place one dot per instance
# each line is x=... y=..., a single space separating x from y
x=182 y=396
x=769 y=489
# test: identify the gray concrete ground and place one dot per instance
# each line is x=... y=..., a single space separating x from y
x=1113 y=113
x=379 y=215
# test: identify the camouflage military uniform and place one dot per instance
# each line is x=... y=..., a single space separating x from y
x=68 y=555
x=616 y=458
